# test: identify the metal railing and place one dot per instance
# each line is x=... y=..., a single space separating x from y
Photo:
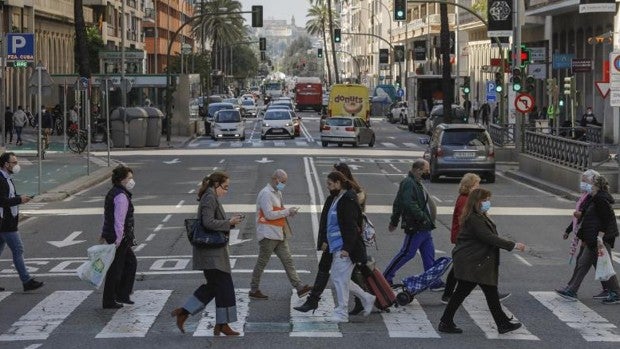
x=561 y=150
x=502 y=135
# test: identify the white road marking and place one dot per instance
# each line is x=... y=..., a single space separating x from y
x=436 y=198
x=301 y=143
x=411 y=145
x=34 y=346
x=409 y=321
x=222 y=161
x=137 y=319
x=314 y=324
x=158 y=228
x=191 y=191
x=207 y=322
x=388 y=145
x=333 y=151
x=139 y=247
x=396 y=168
x=180 y=204
x=522 y=260
x=150 y=237
x=45 y=317
x=478 y=310
x=164 y=272
x=279 y=143
x=576 y=315
x=167 y=218
x=4 y=294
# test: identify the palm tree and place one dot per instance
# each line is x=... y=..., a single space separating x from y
x=316 y=25
x=330 y=15
x=446 y=81
x=81 y=47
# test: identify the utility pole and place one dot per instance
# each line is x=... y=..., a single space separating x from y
x=2 y=69
x=516 y=63
x=123 y=38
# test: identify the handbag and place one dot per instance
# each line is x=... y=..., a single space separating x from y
x=200 y=237
x=368 y=232
x=604 y=268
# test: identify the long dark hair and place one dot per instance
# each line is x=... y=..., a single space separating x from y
x=215 y=178
x=346 y=171
x=337 y=176
x=474 y=198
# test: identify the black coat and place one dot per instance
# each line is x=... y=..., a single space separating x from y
x=9 y=223
x=350 y=221
x=598 y=215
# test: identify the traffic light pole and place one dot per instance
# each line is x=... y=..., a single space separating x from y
x=387 y=42
x=520 y=122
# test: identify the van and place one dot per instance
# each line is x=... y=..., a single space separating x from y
x=349 y=100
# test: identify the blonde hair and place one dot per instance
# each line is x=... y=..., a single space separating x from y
x=468 y=181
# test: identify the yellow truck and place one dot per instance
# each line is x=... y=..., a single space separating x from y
x=349 y=100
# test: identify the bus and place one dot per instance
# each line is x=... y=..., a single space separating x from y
x=308 y=93
x=272 y=89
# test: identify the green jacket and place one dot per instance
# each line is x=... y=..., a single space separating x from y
x=410 y=204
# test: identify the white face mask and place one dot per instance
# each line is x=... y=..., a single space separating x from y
x=16 y=169
x=130 y=184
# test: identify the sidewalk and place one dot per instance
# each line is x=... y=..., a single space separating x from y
x=65 y=173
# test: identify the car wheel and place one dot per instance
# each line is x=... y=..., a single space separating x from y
x=372 y=142
x=263 y=138
x=293 y=136
x=434 y=178
x=242 y=139
x=340 y=144
x=490 y=178
x=324 y=144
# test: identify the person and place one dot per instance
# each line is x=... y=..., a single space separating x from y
x=214 y=262
x=485 y=113
x=597 y=231
x=47 y=122
x=340 y=223
x=9 y=219
x=19 y=121
x=273 y=233
x=118 y=229
x=588 y=119
x=475 y=107
x=467 y=107
x=476 y=262
x=8 y=124
x=418 y=213
x=73 y=115
x=322 y=276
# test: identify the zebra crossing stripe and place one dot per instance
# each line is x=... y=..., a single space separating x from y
x=43 y=319
x=215 y=144
x=207 y=322
x=476 y=306
x=389 y=145
x=576 y=315
x=257 y=144
x=410 y=145
x=279 y=143
x=3 y=295
x=301 y=144
x=314 y=324
x=136 y=320
x=409 y=321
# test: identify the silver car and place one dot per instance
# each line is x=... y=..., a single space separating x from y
x=278 y=122
x=228 y=123
x=346 y=130
x=248 y=107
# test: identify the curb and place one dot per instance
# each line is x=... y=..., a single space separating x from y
x=540 y=184
x=65 y=190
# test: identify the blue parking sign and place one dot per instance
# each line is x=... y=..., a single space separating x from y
x=400 y=93
x=491 y=96
x=20 y=47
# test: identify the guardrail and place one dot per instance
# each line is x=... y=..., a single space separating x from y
x=561 y=150
x=502 y=135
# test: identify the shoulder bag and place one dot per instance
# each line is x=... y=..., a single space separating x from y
x=200 y=237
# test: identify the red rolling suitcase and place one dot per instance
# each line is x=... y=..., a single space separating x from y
x=379 y=287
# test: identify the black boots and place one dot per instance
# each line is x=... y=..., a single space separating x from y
x=312 y=302
x=358 y=308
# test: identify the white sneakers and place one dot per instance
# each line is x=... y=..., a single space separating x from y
x=368 y=302
x=339 y=315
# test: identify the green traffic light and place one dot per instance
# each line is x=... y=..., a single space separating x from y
x=561 y=103
x=466 y=90
x=516 y=87
x=499 y=88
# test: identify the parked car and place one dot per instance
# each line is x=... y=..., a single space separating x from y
x=459 y=116
x=398 y=113
x=456 y=149
x=211 y=110
x=228 y=123
x=278 y=122
x=248 y=108
x=346 y=130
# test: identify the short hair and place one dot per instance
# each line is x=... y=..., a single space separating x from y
x=590 y=174
x=418 y=164
x=120 y=173
x=279 y=174
x=467 y=183
x=5 y=157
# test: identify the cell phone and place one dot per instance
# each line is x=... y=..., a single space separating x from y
x=242 y=216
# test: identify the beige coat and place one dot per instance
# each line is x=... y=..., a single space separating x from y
x=213 y=218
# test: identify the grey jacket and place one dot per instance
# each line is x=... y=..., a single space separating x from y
x=213 y=218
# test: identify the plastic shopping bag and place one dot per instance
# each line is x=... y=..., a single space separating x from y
x=100 y=258
x=604 y=268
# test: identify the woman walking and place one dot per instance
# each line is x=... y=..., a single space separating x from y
x=118 y=229
x=214 y=262
x=341 y=221
x=476 y=262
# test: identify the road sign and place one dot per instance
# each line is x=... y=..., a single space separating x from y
x=400 y=92
x=20 y=47
x=524 y=103
x=491 y=94
x=614 y=74
x=603 y=88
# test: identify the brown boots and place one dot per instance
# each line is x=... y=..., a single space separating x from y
x=181 y=315
x=225 y=329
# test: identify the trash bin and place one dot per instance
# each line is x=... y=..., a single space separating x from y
x=153 y=126
x=117 y=128
x=137 y=125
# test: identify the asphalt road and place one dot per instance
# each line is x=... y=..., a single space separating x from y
x=66 y=312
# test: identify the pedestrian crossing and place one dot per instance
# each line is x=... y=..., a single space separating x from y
x=47 y=317
x=204 y=142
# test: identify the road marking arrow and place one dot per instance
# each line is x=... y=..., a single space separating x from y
x=233 y=238
x=603 y=88
x=264 y=161
x=68 y=241
x=173 y=161
x=354 y=167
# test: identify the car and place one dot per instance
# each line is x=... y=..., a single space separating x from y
x=246 y=96
x=398 y=113
x=296 y=119
x=248 y=107
x=228 y=123
x=234 y=101
x=278 y=122
x=346 y=130
x=286 y=102
x=456 y=149
x=458 y=116
x=211 y=110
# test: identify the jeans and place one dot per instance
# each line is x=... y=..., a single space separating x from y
x=422 y=241
x=17 y=248
x=219 y=286
x=18 y=132
x=281 y=249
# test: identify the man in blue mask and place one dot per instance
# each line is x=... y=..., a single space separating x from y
x=272 y=233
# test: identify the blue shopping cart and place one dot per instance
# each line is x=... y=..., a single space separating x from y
x=416 y=284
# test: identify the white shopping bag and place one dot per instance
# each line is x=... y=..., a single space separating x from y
x=100 y=258
x=604 y=268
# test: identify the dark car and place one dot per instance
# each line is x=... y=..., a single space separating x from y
x=459 y=116
x=211 y=110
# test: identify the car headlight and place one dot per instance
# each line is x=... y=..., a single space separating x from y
x=265 y=125
x=288 y=124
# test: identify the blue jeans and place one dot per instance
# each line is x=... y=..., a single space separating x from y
x=17 y=248
x=422 y=241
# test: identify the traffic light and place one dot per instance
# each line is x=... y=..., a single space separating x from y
x=525 y=56
x=262 y=56
x=569 y=85
x=517 y=81
x=530 y=83
x=399 y=53
x=257 y=16
x=499 y=82
x=337 y=35
x=262 y=44
x=400 y=10
x=320 y=53
x=466 y=85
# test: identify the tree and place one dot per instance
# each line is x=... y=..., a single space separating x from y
x=82 y=56
x=317 y=25
x=245 y=63
x=94 y=44
x=446 y=82
x=331 y=24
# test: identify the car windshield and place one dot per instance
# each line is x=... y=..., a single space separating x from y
x=339 y=122
x=247 y=102
x=231 y=101
x=471 y=138
x=281 y=105
x=228 y=116
x=215 y=108
x=278 y=115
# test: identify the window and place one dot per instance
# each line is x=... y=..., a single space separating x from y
x=228 y=116
x=278 y=115
x=471 y=138
x=339 y=122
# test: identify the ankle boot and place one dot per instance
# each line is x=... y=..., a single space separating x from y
x=225 y=329
x=311 y=303
x=181 y=315
x=357 y=308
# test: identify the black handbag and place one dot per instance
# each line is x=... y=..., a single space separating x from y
x=200 y=237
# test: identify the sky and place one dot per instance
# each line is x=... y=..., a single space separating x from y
x=281 y=9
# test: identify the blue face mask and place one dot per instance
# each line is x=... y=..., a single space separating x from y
x=585 y=187
x=280 y=186
x=485 y=206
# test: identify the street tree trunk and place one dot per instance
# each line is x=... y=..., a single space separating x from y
x=329 y=69
x=446 y=83
x=331 y=34
x=81 y=46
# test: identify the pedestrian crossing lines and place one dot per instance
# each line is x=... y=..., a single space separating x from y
x=314 y=324
x=207 y=322
x=204 y=142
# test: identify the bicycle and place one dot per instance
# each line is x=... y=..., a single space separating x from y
x=78 y=139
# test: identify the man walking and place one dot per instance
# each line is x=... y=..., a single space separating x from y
x=8 y=124
x=418 y=212
x=19 y=121
x=272 y=233
x=47 y=122
x=9 y=215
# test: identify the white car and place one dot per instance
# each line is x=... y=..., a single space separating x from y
x=278 y=123
x=248 y=107
x=228 y=123
x=346 y=130
x=399 y=113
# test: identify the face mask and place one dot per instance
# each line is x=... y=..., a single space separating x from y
x=485 y=206
x=426 y=176
x=16 y=169
x=280 y=186
x=130 y=184
x=585 y=187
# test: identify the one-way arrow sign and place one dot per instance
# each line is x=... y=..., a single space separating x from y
x=68 y=241
x=173 y=161
x=603 y=88
x=264 y=161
